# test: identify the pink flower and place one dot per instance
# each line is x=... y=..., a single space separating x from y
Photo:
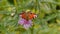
x=26 y=24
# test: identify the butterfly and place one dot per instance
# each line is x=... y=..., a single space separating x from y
x=26 y=19
x=27 y=15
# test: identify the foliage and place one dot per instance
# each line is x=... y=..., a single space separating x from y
x=47 y=21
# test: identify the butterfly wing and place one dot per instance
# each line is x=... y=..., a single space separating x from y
x=22 y=15
x=28 y=16
x=32 y=15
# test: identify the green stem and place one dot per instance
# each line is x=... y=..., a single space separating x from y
x=32 y=29
x=15 y=3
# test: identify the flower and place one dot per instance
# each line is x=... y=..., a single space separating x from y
x=26 y=24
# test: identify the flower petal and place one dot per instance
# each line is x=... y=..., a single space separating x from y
x=21 y=21
x=28 y=24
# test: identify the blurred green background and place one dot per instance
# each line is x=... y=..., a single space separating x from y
x=47 y=21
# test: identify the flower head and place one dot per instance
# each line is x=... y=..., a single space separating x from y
x=26 y=24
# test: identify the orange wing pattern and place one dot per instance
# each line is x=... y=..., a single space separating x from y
x=31 y=15
x=27 y=15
